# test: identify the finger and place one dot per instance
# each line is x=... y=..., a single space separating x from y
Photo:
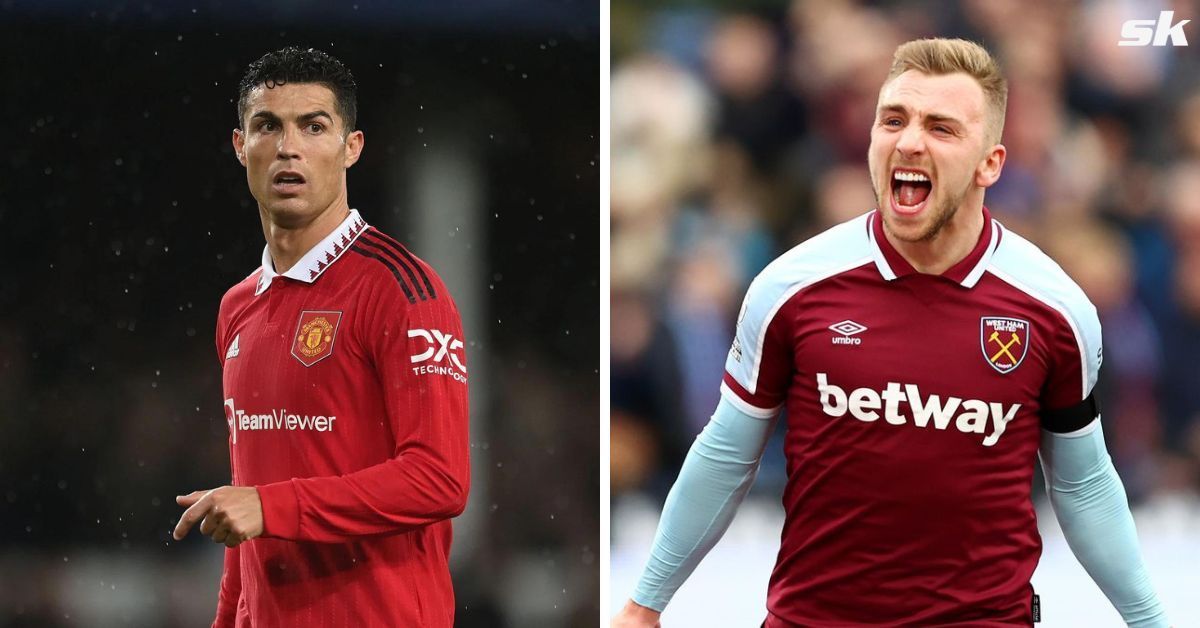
x=232 y=541
x=210 y=524
x=190 y=517
x=219 y=535
x=190 y=498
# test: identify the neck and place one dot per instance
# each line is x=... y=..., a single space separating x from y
x=288 y=242
x=949 y=246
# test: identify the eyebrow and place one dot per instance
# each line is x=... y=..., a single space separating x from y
x=931 y=117
x=312 y=115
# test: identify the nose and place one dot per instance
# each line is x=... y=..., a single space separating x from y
x=288 y=146
x=911 y=141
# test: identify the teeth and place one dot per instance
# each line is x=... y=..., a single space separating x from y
x=910 y=176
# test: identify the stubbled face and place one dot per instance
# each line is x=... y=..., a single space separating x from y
x=929 y=152
x=296 y=151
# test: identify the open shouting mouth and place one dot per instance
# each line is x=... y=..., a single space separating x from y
x=910 y=190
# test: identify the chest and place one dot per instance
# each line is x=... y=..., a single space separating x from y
x=925 y=334
x=294 y=339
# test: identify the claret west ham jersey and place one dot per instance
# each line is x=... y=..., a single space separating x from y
x=914 y=410
x=345 y=382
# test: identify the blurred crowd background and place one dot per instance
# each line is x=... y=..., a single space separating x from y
x=741 y=129
x=124 y=217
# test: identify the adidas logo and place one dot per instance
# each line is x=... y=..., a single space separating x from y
x=233 y=348
x=848 y=329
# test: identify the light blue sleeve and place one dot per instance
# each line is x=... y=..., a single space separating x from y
x=1089 y=501
x=715 y=477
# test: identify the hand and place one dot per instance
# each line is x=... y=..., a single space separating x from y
x=231 y=514
x=635 y=615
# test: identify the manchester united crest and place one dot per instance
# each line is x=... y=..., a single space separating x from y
x=315 y=333
x=1005 y=341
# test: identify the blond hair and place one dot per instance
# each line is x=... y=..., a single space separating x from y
x=949 y=56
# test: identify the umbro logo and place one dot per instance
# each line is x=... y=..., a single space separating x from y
x=233 y=348
x=848 y=329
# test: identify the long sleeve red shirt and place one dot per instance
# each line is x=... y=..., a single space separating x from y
x=345 y=390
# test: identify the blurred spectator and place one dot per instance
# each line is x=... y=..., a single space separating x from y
x=646 y=428
x=756 y=112
x=660 y=139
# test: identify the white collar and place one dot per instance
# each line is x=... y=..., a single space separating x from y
x=318 y=258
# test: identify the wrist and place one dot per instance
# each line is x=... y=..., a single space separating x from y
x=637 y=611
x=280 y=510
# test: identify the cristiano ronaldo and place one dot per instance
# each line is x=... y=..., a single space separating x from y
x=927 y=358
x=345 y=385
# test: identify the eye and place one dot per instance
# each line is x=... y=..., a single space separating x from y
x=892 y=122
x=266 y=125
x=315 y=127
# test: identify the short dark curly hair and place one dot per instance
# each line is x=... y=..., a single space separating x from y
x=298 y=65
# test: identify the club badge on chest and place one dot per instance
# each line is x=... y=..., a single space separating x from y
x=315 y=334
x=1004 y=341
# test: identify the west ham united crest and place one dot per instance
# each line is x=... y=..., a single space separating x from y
x=1004 y=340
x=315 y=333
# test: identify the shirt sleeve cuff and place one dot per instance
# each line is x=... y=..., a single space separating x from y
x=281 y=510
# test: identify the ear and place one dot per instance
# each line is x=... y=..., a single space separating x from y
x=354 y=145
x=239 y=146
x=988 y=170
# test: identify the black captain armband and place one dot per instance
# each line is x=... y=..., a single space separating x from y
x=1071 y=418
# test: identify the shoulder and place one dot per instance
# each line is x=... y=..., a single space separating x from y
x=837 y=250
x=1021 y=264
x=1025 y=267
x=394 y=273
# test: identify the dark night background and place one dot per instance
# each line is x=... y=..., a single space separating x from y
x=125 y=216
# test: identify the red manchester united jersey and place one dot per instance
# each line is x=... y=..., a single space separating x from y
x=345 y=382
x=914 y=406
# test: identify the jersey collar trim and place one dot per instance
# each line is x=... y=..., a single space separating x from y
x=318 y=258
x=875 y=235
x=966 y=273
